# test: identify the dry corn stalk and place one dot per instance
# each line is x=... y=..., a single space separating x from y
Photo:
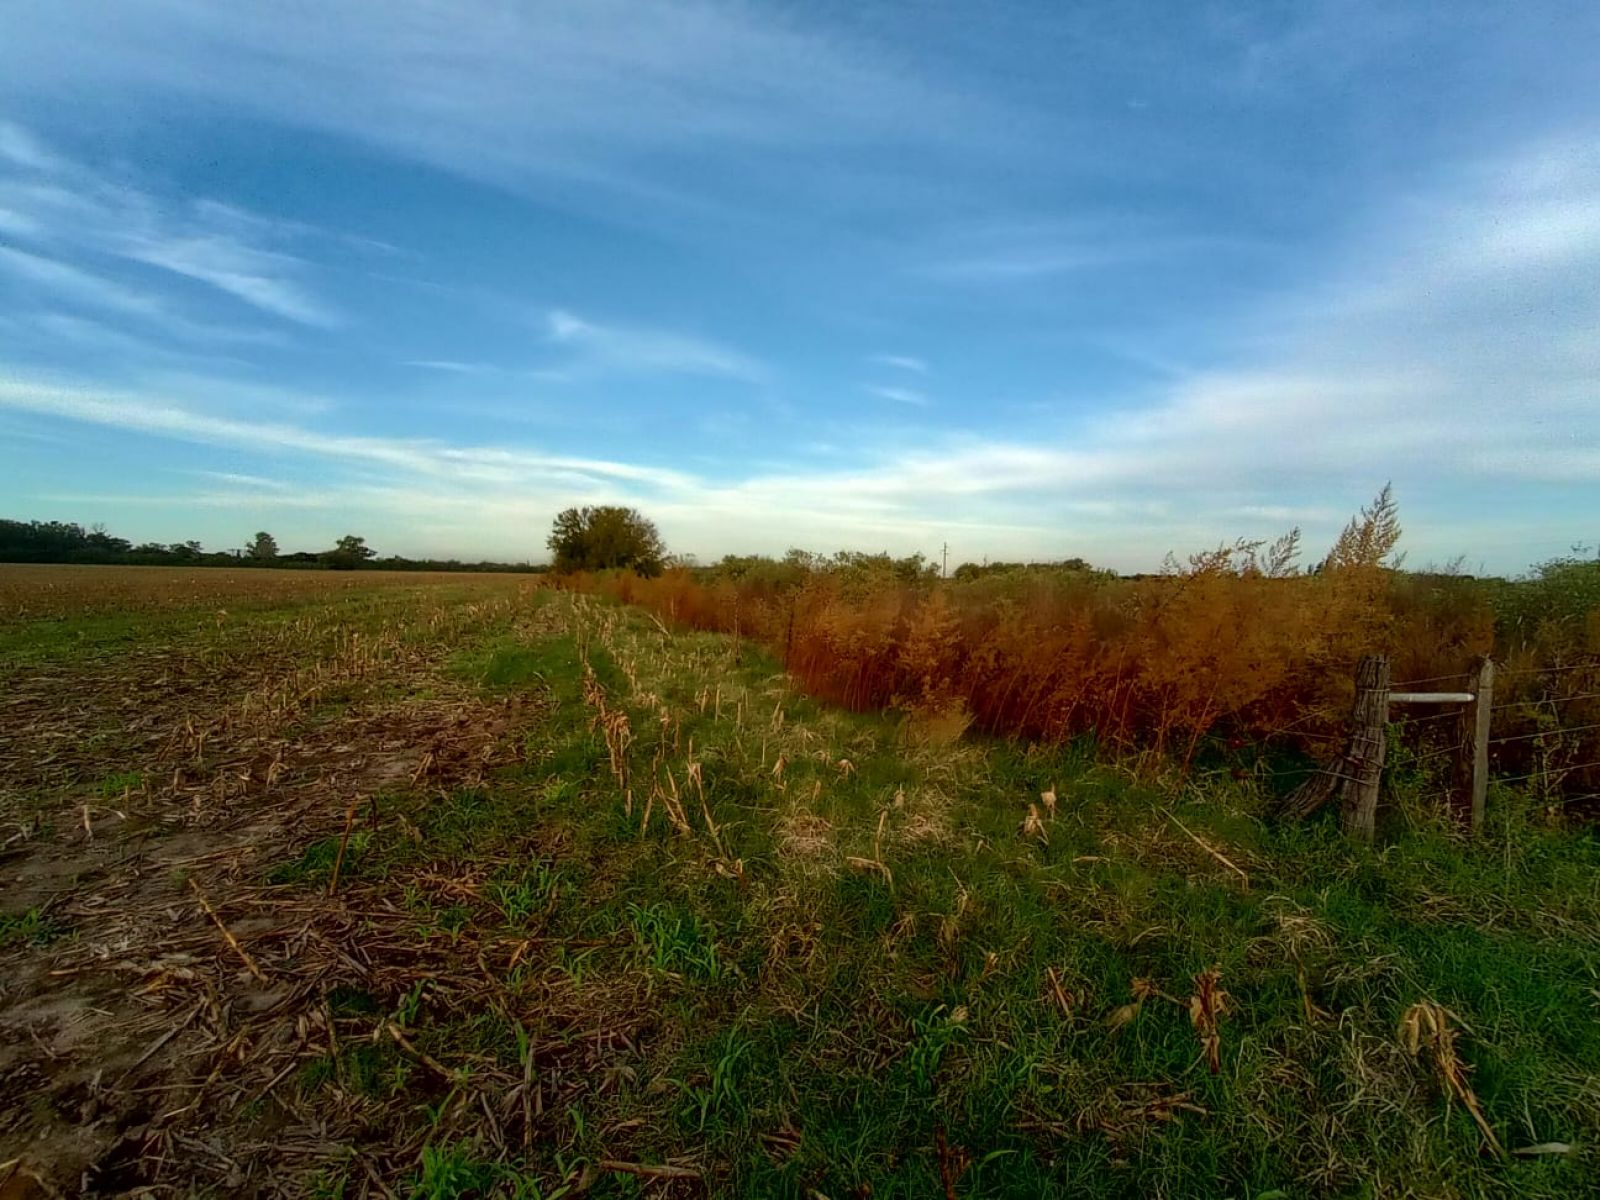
x=875 y=863
x=671 y=801
x=1207 y=1007
x=1426 y=1024
x=1125 y=1014
x=619 y=736
x=1064 y=999
x=695 y=776
x=1142 y=990
x=950 y=923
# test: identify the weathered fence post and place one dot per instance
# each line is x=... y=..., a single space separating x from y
x=1477 y=741
x=1355 y=775
x=1358 y=770
x=1368 y=742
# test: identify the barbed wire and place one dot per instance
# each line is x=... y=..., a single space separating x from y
x=1500 y=673
x=1395 y=687
x=1544 y=700
x=1438 y=716
x=1546 y=771
x=1314 y=735
x=1333 y=775
x=1546 y=670
x=1460 y=746
x=1453 y=793
x=1526 y=737
x=1313 y=715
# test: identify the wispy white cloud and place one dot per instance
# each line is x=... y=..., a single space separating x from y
x=18 y=224
x=450 y=366
x=617 y=103
x=218 y=498
x=1019 y=251
x=21 y=149
x=70 y=216
x=239 y=479
x=900 y=395
x=148 y=414
x=901 y=362
x=155 y=320
x=598 y=349
x=78 y=285
x=261 y=278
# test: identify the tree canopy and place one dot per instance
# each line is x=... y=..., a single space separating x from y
x=350 y=552
x=598 y=538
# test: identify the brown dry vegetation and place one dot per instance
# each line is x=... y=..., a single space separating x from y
x=1236 y=644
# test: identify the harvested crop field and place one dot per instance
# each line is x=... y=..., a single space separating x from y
x=359 y=884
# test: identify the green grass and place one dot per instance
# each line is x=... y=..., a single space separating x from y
x=802 y=1021
x=674 y=941
x=30 y=928
x=315 y=864
x=115 y=785
x=27 y=642
x=456 y=1170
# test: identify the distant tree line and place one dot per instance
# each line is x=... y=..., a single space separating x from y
x=69 y=542
x=610 y=537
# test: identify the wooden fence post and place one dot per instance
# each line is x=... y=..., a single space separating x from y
x=1368 y=743
x=1356 y=773
x=1477 y=741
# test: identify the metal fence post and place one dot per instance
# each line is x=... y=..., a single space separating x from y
x=1477 y=742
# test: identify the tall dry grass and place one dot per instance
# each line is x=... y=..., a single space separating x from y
x=1236 y=642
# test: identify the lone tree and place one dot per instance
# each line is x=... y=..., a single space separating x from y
x=350 y=553
x=598 y=538
x=263 y=547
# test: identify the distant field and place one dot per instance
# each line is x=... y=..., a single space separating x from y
x=31 y=592
x=334 y=885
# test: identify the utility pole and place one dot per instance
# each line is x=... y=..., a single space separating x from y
x=944 y=562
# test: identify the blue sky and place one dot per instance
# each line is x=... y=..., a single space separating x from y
x=1100 y=279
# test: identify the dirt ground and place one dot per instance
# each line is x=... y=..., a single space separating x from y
x=155 y=988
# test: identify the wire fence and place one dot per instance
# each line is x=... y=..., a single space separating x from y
x=1544 y=700
x=1438 y=752
x=1543 y=733
x=1411 y=683
x=1553 y=770
x=1423 y=749
x=1444 y=715
x=1501 y=673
